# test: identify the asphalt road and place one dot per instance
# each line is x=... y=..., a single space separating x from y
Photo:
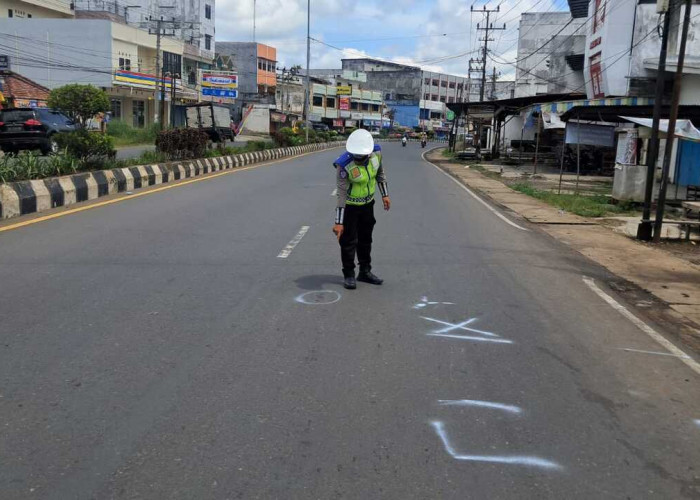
x=159 y=348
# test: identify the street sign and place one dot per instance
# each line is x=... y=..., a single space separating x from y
x=4 y=63
x=343 y=90
x=213 y=92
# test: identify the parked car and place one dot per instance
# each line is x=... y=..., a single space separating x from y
x=32 y=128
x=321 y=127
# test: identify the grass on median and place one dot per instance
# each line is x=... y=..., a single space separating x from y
x=123 y=134
x=585 y=206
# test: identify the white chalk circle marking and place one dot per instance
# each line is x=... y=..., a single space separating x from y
x=318 y=298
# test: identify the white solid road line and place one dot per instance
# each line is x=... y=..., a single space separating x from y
x=335 y=192
x=477 y=198
x=286 y=251
x=670 y=347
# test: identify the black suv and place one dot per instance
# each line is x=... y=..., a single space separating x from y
x=32 y=128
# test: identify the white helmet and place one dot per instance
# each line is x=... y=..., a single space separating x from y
x=360 y=143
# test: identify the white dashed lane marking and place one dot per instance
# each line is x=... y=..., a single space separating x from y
x=286 y=251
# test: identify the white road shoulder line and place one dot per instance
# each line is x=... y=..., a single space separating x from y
x=670 y=347
x=476 y=197
x=286 y=251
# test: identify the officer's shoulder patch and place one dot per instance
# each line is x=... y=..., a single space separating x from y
x=343 y=160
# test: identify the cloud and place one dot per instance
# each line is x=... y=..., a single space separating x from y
x=405 y=31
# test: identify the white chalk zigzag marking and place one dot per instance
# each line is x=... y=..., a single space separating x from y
x=505 y=459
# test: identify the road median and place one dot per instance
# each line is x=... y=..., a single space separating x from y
x=673 y=282
x=33 y=196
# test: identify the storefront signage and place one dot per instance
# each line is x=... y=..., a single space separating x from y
x=356 y=116
x=350 y=123
x=220 y=81
x=337 y=123
x=345 y=103
x=134 y=79
x=590 y=135
x=343 y=90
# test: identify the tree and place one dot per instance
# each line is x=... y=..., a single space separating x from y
x=391 y=114
x=80 y=102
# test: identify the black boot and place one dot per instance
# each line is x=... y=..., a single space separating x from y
x=350 y=283
x=368 y=277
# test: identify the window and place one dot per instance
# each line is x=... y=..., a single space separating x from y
x=330 y=102
x=116 y=109
x=318 y=101
x=207 y=11
x=427 y=80
x=139 y=114
x=460 y=86
x=353 y=106
x=442 y=98
x=387 y=97
x=426 y=97
x=451 y=99
x=260 y=64
x=375 y=108
x=452 y=85
x=364 y=107
x=207 y=42
x=124 y=64
x=435 y=83
x=434 y=98
x=443 y=84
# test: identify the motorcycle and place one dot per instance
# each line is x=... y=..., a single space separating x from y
x=423 y=143
x=403 y=142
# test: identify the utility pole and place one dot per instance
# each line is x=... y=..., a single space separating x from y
x=671 y=132
x=308 y=63
x=159 y=93
x=255 y=5
x=488 y=27
x=644 y=230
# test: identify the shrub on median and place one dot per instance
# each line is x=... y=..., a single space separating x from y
x=182 y=143
x=90 y=149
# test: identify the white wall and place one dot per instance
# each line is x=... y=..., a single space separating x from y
x=258 y=121
x=57 y=52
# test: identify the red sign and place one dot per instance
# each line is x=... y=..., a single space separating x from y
x=338 y=123
x=597 y=76
x=345 y=104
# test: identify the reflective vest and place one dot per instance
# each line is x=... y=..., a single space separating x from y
x=362 y=180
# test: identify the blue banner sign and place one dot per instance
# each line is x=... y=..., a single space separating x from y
x=230 y=94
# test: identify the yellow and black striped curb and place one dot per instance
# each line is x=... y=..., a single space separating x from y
x=27 y=197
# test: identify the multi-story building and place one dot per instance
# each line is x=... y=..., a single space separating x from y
x=550 y=49
x=623 y=45
x=121 y=59
x=420 y=98
x=195 y=19
x=189 y=21
x=30 y=9
x=363 y=105
x=256 y=65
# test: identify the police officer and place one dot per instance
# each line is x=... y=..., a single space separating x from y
x=359 y=172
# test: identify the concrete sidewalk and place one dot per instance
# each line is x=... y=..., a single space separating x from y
x=672 y=280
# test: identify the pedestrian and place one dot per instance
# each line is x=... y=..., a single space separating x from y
x=358 y=173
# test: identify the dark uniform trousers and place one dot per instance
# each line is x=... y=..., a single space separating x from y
x=358 y=224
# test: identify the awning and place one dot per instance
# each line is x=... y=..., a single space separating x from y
x=684 y=128
x=562 y=107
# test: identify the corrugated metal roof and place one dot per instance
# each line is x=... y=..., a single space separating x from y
x=579 y=8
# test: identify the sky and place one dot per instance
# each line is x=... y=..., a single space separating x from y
x=438 y=35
